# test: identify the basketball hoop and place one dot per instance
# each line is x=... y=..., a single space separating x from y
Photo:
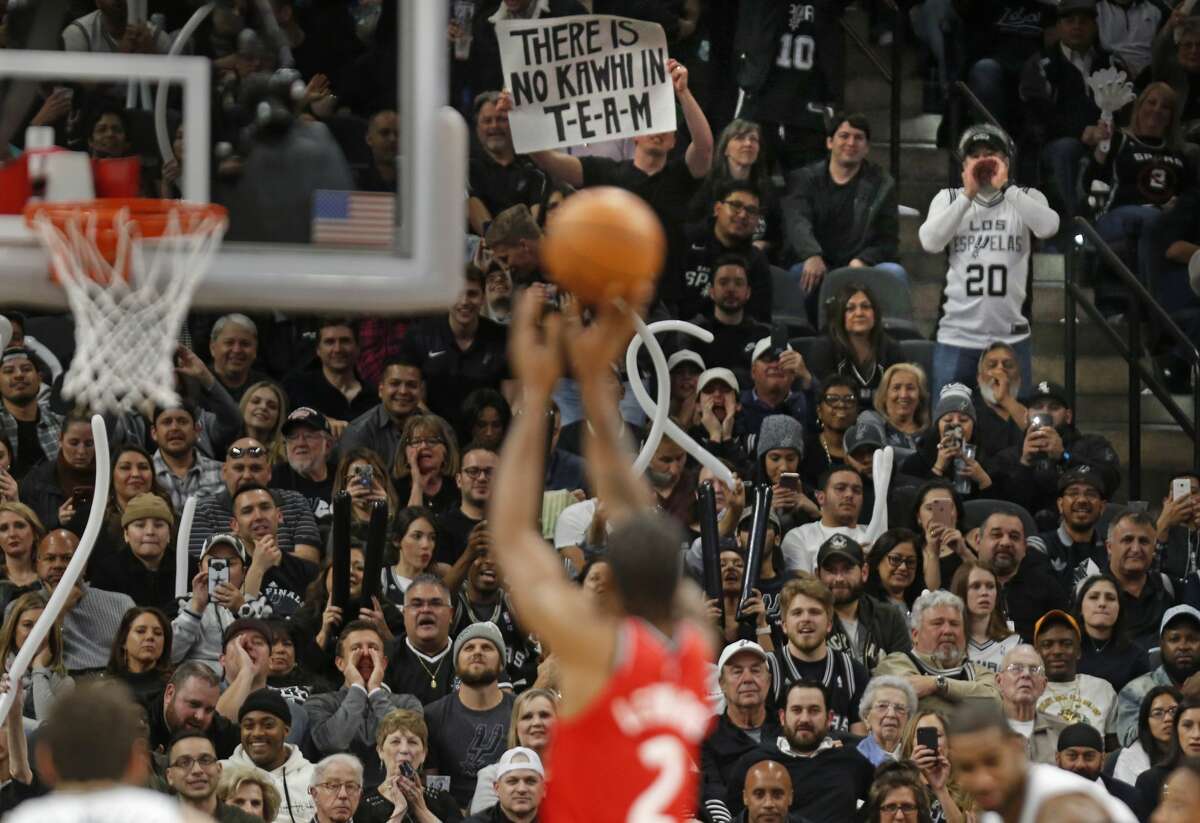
x=129 y=268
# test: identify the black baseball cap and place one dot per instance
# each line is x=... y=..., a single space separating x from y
x=305 y=416
x=1085 y=474
x=840 y=546
x=1048 y=390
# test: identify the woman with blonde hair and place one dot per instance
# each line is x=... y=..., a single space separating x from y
x=902 y=400
x=426 y=464
x=47 y=676
x=951 y=803
x=402 y=743
x=251 y=790
x=20 y=531
x=534 y=713
x=264 y=408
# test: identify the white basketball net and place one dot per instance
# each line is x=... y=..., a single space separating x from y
x=126 y=331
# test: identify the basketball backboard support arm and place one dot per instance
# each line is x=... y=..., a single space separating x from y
x=422 y=273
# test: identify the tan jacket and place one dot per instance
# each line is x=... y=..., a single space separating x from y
x=970 y=682
x=1042 y=745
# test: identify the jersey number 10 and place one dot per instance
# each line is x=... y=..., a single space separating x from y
x=795 y=52
x=997 y=280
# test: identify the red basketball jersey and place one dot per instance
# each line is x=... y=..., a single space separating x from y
x=631 y=756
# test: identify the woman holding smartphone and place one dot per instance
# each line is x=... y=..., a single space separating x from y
x=50 y=487
x=404 y=796
x=948 y=451
x=924 y=745
x=780 y=447
x=938 y=513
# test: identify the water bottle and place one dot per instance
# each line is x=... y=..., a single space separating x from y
x=964 y=485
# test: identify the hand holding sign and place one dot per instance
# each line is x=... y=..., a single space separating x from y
x=587 y=78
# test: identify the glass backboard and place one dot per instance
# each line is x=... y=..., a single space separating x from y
x=305 y=235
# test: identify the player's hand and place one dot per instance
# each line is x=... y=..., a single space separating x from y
x=679 y=76
x=814 y=272
x=591 y=349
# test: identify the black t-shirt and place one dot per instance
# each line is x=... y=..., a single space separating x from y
x=453 y=529
x=499 y=187
x=1116 y=664
x=844 y=677
x=731 y=346
x=462 y=741
x=375 y=808
x=447 y=496
x=29 y=449
x=826 y=788
x=452 y=373
x=667 y=192
x=319 y=495
x=284 y=585
x=837 y=244
x=796 y=77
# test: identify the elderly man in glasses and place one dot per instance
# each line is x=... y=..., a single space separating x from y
x=248 y=463
x=1021 y=681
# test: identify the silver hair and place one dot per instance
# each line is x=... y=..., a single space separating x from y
x=236 y=319
x=1021 y=647
x=343 y=759
x=887 y=681
x=933 y=600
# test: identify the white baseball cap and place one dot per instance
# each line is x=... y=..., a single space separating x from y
x=761 y=347
x=685 y=356
x=737 y=647
x=519 y=758
x=724 y=375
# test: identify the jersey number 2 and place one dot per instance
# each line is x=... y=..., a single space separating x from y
x=997 y=280
x=666 y=755
x=795 y=51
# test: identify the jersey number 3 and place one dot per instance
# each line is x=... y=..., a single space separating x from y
x=996 y=276
x=666 y=755
x=795 y=51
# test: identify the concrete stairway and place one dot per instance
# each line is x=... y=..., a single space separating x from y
x=1102 y=376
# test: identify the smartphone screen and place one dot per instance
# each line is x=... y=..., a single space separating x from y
x=928 y=737
x=790 y=480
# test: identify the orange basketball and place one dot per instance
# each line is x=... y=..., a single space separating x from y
x=601 y=243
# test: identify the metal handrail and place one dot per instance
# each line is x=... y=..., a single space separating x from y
x=1130 y=351
x=889 y=77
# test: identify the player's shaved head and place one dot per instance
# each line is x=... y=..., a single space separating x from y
x=643 y=553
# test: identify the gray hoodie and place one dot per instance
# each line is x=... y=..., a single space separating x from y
x=291 y=779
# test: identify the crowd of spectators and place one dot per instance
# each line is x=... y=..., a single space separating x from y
x=947 y=574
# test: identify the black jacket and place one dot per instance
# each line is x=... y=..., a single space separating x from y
x=1032 y=591
x=39 y=491
x=882 y=629
x=826 y=786
x=123 y=572
x=1127 y=794
x=725 y=745
x=876 y=219
x=685 y=290
x=1058 y=99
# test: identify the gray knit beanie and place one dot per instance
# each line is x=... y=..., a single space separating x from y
x=955 y=397
x=779 y=431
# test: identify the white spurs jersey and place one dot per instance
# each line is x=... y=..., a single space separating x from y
x=988 y=245
x=121 y=804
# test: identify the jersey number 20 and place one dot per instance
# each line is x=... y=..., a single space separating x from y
x=795 y=52
x=666 y=755
x=997 y=280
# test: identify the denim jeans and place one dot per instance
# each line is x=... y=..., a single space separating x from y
x=954 y=364
x=1061 y=159
x=990 y=83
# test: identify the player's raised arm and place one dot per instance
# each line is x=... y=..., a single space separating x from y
x=542 y=596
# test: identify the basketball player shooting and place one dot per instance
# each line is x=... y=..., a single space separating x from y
x=633 y=712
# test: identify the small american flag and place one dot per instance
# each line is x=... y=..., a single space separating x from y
x=358 y=218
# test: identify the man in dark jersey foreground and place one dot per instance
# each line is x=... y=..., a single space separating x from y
x=634 y=684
